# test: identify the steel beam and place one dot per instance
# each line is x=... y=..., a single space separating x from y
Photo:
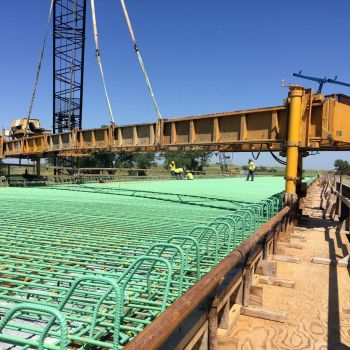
x=293 y=143
x=324 y=125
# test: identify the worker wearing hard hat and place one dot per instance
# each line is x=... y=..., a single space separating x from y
x=189 y=175
x=251 y=169
x=179 y=173
x=172 y=168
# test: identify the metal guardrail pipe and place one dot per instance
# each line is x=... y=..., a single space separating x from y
x=330 y=182
x=155 y=334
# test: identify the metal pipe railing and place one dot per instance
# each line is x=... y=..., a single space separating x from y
x=155 y=334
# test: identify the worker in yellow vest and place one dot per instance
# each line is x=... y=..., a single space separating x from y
x=189 y=175
x=251 y=169
x=179 y=173
x=172 y=168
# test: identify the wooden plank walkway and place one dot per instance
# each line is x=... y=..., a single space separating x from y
x=318 y=307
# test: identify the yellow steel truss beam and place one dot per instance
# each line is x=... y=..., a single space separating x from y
x=305 y=122
x=323 y=124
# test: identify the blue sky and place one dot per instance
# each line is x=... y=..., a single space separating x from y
x=202 y=56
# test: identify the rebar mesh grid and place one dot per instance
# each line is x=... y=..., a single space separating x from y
x=90 y=264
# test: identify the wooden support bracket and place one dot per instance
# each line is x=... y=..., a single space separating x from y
x=324 y=261
x=286 y=258
x=300 y=228
x=225 y=318
x=213 y=326
x=266 y=268
x=279 y=249
x=267 y=314
x=346 y=311
x=291 y=245
x=284 y=237
x=273 y=281
x=239 y=296
x=200 y=338
x=256 y=296
x=233 y=316
x=247 y=282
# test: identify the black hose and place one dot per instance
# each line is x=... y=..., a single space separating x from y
x=276 y=158
x=256 y=157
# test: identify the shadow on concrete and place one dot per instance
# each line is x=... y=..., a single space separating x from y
x=334 y=334
x=201 y=201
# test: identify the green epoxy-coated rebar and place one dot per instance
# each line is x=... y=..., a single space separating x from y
x=110 y=257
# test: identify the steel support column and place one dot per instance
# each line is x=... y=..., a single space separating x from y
x=295 y=95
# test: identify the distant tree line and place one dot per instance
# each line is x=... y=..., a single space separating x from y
x=342 y=166
x=195 y=160
x=192 y=160
x=262 y=169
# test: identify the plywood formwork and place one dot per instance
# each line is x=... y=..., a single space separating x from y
x=318 y=307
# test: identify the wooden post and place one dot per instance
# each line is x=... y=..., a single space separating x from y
x=284 y=234
x=213 y=326
x=341 y=192
x=291 y=223
x=265 y=249
x=204 y=343
x=276 y=231
x=247 y=282
x=225 y=318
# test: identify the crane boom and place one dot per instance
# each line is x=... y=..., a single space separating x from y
x=69 y=17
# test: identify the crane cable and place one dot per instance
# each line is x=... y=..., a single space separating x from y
x=99 y=61
x=137 y=51
x=39 y=66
